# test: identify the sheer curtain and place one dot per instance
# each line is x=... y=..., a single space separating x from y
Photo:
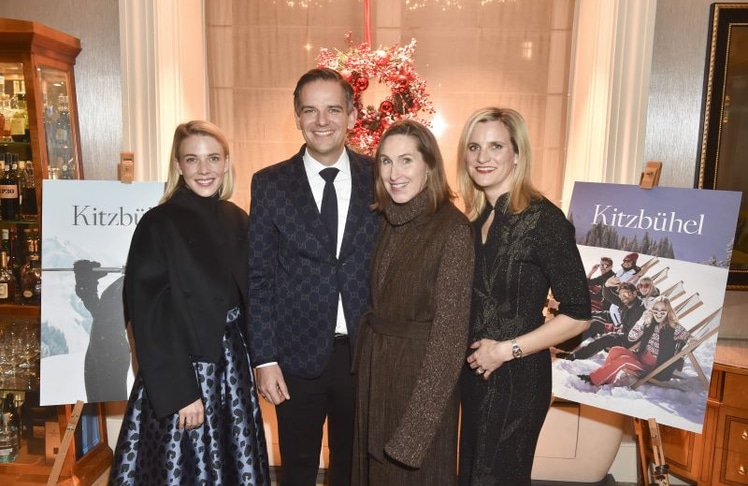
x=512 y=53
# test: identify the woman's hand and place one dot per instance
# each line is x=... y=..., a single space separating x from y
x=489 y=355
x=192 y=416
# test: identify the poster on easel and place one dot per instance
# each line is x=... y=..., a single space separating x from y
x=86 y=231
x=657 y=262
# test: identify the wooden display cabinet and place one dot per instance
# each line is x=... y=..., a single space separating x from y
x=36 y=70
x=719 y=455
x=38 y=61
x=87 y=458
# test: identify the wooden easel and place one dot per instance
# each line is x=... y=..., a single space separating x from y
x=651 y=178
x=661 y=469
x=126 y=167
x=62 y=453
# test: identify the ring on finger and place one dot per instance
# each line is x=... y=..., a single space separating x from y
x=480 y=371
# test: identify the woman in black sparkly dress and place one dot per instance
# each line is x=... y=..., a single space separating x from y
x=524 y=247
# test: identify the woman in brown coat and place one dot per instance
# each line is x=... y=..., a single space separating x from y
x=412 y=344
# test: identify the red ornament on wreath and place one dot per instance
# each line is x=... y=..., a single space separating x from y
x=391 y=66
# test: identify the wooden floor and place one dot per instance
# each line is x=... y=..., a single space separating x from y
x=607 y=481
x=103 y=479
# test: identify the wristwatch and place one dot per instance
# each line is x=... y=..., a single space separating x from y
x=516 y=351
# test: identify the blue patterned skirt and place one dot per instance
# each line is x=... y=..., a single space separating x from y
x=229 y=449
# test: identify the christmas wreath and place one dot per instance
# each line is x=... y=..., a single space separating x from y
x=392 y=67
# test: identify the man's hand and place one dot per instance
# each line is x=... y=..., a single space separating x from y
x=271 y=385
x=613 y=282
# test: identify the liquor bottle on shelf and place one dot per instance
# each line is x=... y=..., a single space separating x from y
x=5 y=240
x=9 y=203
x=21 y=179
x=50 y=124
x=61 y=156
x=19 y=124
x=29 y=209
x=9 y=406
x=9 y=436
x=5 y=113
x=14 y=262
x=21 y=183
x=31 y=272
x=7 y=281
x=62 y=127
x=2 y=176
x=15 y=174
x=68 y=170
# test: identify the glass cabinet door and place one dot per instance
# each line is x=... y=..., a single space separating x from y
x=17 y=185
x=59 y=132
x=14 y=116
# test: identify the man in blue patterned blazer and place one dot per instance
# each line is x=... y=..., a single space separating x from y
x=308 y=279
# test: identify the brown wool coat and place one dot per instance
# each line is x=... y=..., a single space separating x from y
x=412 y=347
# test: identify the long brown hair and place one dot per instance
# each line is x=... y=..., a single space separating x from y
x=522 y=191
x=436 y=186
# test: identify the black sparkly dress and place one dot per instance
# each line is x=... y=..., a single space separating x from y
x=523 y=257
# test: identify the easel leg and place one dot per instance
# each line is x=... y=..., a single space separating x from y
x=641 y=450
x=62 y=453
x=661 y=468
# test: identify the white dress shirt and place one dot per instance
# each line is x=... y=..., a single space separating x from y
x=343 y=187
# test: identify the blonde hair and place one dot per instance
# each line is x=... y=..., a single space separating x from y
x=653 y=291
x=174 y=179
x=522 y=191
x=672 y=317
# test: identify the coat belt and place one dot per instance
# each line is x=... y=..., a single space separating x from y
x=400 y=328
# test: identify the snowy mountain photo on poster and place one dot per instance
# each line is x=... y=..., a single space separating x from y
x=682 y=240
x=86 y=228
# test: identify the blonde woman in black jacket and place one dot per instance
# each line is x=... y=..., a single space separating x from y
x=193 y=415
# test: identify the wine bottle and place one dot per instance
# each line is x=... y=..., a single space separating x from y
x=29 y=209
x=7 y=281
x=68 y=170
x=19 y=124
x=5 y=240
x=9 y=202
x=9 y=443
x=63 y=153
x=31 y=274
x=14 y=262
x=62 y=127
x=3 y=121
